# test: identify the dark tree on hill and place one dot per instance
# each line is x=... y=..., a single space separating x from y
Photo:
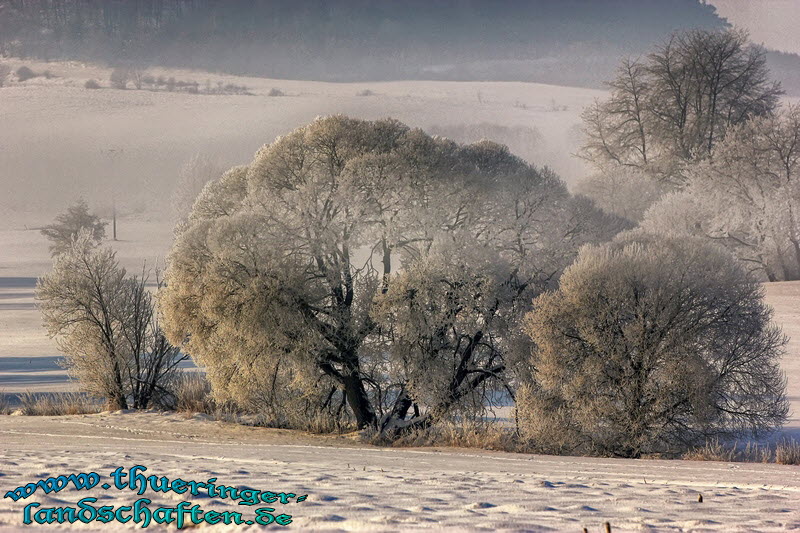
x=672 y=107
x=69 y=224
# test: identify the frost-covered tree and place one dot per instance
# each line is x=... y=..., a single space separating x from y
x=753 y=186
x=651 y=344
x=523 y=141
x=625 y=192
x=69 y=224
x=194 y=175
x=452 y=324
x=672 y=107
x=107 y=327
x=275 y=276
x=120 y=77
x=746 y=197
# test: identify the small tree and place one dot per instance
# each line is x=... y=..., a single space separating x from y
x=138 y=76
x=652 y=344
x=69 y=224
x=77 y=299
x=120 y=77
x=107 y=327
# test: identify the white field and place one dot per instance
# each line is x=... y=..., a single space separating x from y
x=56 y=135
x=354 y=487
x=56 y=128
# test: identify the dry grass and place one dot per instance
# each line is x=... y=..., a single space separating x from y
x=712 y=450
x=5 y=404
x=57 y=404
x=787 y=452
x=482 y=435
x=193 y=394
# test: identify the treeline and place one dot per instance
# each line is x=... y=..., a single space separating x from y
x=574 y=42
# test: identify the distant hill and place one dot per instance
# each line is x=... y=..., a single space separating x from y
x=568 y=42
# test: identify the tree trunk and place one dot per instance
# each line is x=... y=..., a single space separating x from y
x=357 y=399
x=117 y=398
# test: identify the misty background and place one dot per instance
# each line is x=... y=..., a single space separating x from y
x=60 y=140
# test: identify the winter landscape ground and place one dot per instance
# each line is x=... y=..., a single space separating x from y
x=350 y=486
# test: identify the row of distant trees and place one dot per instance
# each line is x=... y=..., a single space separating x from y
x=693 y=141
x=348 y=41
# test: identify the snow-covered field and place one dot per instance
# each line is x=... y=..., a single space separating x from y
x=57 y=136
x=353 y=487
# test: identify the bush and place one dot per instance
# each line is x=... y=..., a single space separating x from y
x=231 y=88
x=119 y=78
x=275 y=92
x=24 y=73
x=651 y=345
x=91 y=84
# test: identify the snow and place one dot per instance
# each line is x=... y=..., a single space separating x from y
x=354 y=487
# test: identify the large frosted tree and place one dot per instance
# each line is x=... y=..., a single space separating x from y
x=274 y=279
x=651 y=344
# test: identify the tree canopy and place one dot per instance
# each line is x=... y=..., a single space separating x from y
x=276 y=275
